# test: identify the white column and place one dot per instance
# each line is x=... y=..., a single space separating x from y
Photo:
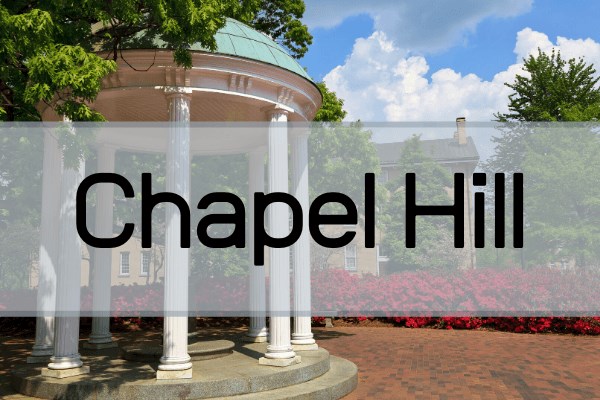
x=66 y=360
x=258 y=300
x=302 y=337
x=175 y=362
x=101 y=338
x=46 y=295
x=279 y=351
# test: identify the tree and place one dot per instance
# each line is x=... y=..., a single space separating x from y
x=48 y=55
x=435 y=243
x=560 y=213
x=553 y=89
x=332 y=109
x=47 y=48
x=562 y=168
x=281 y=19
x=20 y=163
x=228 y=174
x=340 y=154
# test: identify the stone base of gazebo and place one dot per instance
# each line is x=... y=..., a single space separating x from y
x=100 y=346
x=319 y=376
x=203 y=350
x=254 y=339
x=65 y=373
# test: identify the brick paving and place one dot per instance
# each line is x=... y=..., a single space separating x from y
x=398 y=363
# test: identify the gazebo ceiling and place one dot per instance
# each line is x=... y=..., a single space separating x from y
x=145 y=104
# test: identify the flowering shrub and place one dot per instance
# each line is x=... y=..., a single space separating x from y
x=466 y=299
x=461 y=299
x=468 y=292
x=581 y=326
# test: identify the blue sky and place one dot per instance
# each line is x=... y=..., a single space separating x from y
x=403 y=44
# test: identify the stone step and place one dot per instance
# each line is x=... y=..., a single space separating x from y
x=340 y=380
x=233 y=375
x=198 y=351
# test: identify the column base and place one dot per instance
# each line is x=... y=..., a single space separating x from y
x=248 y=338
x=38 y=359
x=280 y=362
x=40 y=354
x=100 y=346
x=65 y=362
x=298 y=338
x=100 y=337
x=175 y=363
x=303 y=342
x=65 y=373
x=305 y=347
x=180 y=374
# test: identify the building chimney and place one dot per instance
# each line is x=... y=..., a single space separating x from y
x=461 y=132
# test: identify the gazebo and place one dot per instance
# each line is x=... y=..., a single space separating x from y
x=249 y=78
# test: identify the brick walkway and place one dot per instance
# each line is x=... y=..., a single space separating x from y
x=397 y=363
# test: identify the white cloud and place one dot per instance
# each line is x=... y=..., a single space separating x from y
x=528 y=41
x=381 y=82
x=421 y=26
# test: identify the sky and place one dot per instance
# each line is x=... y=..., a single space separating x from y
x=435 y=60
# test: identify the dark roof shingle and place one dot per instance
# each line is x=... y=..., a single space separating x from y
x=440 y=150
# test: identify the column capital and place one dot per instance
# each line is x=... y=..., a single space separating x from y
x=178 y=91
x=277 y=109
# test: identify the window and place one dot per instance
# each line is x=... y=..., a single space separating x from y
x=350 y=257
x=145 y=263
x=382 y=258
x=384 y=176
x=382 y=252
x=124 y=264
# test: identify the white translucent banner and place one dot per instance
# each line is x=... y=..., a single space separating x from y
x=400 y=219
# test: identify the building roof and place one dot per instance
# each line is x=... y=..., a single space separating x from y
x=440 y=150
x=238 y=39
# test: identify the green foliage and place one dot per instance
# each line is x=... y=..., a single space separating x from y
x=435 y=243
x=340 y=154
x=339 y=157
x=47 y=47
x=20 y=177
x=282 y=20
x=19 y=243
x=553 y=89
x=332 y=109
x=20 y=200
x=557 y=163
x=208 y=174
x=219 y=174
x=178 y=23
x=562 y=170
x=65 y=77
x=41 y=63
x=21 y=35
x=560 y=167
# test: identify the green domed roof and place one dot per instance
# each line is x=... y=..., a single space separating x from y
x=238 y=39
